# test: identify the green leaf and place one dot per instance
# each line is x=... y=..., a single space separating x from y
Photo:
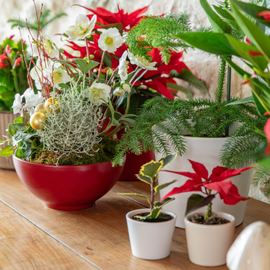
x=167 y=159
x=136 y=195
x=215 y=43
x=144 y=178
x=91 y=65
x=153 y=215
x=241 y=101
x=252 y=31
x=3 y=106
x=253 y=10
x=160 y=187
x=115 y=122
x=163 y=202
x=186 y=75
x=7 y=151
x=151 y=168
x=23 y=153
x=181 y=89
x=81 y=63
x=18 y=120
x=217 y=23
x=13 y=128
x=243 y=50
x=196 y=201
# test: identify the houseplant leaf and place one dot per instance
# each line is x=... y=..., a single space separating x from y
x=196 y=201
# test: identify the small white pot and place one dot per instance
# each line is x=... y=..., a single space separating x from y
x=150 y=240
x=209 y=244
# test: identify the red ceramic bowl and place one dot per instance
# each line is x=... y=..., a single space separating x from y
x=67 y=187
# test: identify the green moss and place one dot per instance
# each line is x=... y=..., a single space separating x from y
x=106 y=151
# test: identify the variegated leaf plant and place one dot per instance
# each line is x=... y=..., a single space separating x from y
x=149 y=174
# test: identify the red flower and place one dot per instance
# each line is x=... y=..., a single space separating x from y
x=253 y=53
x=265 y=14
x=247 y=41
x=8 y=50
x=18 y=61
x=267 y=133
x=127 y=20
x=226 y=189
x=4 y=61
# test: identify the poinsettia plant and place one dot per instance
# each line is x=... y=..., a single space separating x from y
x=210 y=186
x=149 y=174
x=159 y=81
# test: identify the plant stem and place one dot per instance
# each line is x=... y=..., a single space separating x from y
x=152 y=194
x=100 y=66
x=88 y=58
x=209 y=211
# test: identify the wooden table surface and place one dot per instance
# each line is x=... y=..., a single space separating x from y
x=35 y=237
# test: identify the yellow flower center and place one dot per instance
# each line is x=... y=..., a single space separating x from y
x=48 y=47
x=97 y=94
x=80 y=28
x=57 y=76
x=109 y=41
x=143 y=60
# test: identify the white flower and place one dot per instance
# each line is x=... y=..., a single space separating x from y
x=56 y=75
x=49 y=47
x=31 y=100
x=110 y=40
x=126 y=87
x=141 y=62
x=99 y=92
x=17 y=104
x=123 y=67
x=32 y=49
x=119 y=92
x=82 y=28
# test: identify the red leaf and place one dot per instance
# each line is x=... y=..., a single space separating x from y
x=199 y=169
x=227 y=174
x=228 y=192
x=265 y=14
x=188 y=186
x=194 y=176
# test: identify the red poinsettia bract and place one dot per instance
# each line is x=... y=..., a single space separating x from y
x=265 y=14
x=200 y=181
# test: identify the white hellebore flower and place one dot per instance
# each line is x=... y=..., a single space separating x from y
x=99 y=92
x=141 y=62
x=82 y=28
x=110 y=40
x=119 y=92
x=31 y=100
x=123 y=67
x=17 y=104
x=49 y=47
x=32 y=49
x=126 y=87
x=56 y=75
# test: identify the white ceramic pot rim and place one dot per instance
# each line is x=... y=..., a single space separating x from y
x=206 y=138
x=130 y=214
x=229 y=217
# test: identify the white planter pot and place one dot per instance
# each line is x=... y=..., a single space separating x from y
x=150 y=240
x=209 y=244
x=207 y=152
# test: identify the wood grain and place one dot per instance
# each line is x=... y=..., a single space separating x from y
x=24 y=246
x=100 y=233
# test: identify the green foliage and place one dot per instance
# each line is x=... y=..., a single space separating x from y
x=24 y=142
x=157 y=33
x=44 y=20
x=162 y=124
x=149 y=174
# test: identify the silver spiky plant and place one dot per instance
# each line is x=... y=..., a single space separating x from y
x=71 y=127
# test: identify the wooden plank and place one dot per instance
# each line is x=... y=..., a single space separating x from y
x=24 y=246
x=98 y=233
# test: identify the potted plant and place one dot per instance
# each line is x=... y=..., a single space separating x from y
x=209 y=235
x=151 y=230
x=13 y=79
x=194 y=127
x=159 y=82
x=65 y=140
